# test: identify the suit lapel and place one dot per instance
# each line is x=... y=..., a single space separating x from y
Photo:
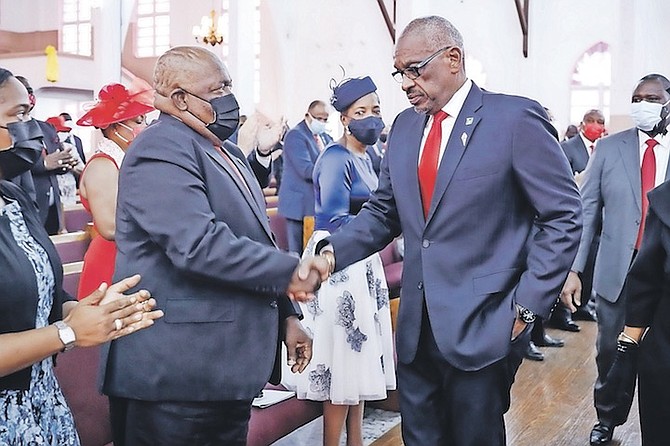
x=410 y=158
x=253 y=202
x=466 y=122
x=630 y=154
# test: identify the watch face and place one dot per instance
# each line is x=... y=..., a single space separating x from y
x=66 y=334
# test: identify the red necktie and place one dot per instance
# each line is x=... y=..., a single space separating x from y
x=648 y=177
x=430 y=160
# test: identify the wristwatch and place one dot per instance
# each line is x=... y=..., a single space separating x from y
x=66 y=335
x=525 y=314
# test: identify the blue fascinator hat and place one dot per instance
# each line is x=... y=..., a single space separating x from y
x=351 y=90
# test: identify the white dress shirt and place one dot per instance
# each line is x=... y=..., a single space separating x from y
x=451 y=108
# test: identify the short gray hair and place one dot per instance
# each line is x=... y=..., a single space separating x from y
x=435 y=29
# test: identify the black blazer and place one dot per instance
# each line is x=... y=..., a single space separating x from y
x=46 y=180
x=204 y=248
x=18 y=288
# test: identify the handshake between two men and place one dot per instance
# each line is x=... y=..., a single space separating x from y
x=309 y=274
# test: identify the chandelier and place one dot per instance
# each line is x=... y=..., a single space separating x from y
x=209 y=30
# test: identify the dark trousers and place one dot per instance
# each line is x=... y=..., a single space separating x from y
x=294 y=233
x=654 y=389
x=611 y=319
x=442 y=405
x=145 y=423
x=52 y=224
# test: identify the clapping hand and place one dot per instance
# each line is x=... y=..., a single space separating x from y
x=60 y=159
x=109 y=314
x=307 y=278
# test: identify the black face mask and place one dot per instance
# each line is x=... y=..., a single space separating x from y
x=227 y=115
x=25 y=151
x=366 y=130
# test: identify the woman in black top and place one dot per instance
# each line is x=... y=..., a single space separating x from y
x=37 y=318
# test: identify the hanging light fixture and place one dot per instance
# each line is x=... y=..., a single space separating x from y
x=209 y=30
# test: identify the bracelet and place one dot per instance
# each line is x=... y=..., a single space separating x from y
x=623 y=337
x=330 y=258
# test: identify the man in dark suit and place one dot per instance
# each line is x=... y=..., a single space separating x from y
x=579 y=150
x=72 y=138
x=54 y=161
x=622 y=167
x=191 y=220
x=302 y=145
x=491 y=219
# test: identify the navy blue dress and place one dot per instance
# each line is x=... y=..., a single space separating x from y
x=343 y=182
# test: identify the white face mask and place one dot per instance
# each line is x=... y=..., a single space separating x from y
x=62 y=136
x=646 y=115
x=317 y=127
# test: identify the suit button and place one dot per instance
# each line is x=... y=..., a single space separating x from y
x=420 y=285
x=425 y=243
x=273 y=304
x=637 y=222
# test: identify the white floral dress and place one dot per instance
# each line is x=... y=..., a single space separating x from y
x=350 y=321
x=37 y=416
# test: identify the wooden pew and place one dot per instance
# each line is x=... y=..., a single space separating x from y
x=76 y=217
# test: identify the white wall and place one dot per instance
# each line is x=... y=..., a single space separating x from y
x=305 y=41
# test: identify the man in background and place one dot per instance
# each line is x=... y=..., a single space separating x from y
x=623 y=168
x=302 y=145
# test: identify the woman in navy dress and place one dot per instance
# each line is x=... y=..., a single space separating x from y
x=349 y=319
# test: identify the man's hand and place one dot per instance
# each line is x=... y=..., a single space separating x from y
x=571 y=294
x=298 y=345
x=268 y=134
x=59 y=160
x=307 y=278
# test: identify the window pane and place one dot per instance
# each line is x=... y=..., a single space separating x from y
x=162 y=20
x=145 y=42
x=162 y=6
x=84 y=10
x=144 y=52
x=162 y=41
x=145 y=9
x=145 y=22
x=145 y=32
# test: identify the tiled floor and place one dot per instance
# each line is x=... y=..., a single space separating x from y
x=376 y=422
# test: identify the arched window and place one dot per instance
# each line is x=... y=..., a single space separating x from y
x=591 y=80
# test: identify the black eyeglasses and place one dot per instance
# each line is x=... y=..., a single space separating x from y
x=414 y=71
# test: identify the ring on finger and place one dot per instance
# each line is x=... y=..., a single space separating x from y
x=118 y=324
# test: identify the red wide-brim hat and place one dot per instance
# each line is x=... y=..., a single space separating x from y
x=115 y=104
x=59 y=123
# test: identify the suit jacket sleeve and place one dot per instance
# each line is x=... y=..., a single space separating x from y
x=646 y=278
x=184 y=225
x=592 y=207
x=296 y=153
x=545 y=179
x=261 y=172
